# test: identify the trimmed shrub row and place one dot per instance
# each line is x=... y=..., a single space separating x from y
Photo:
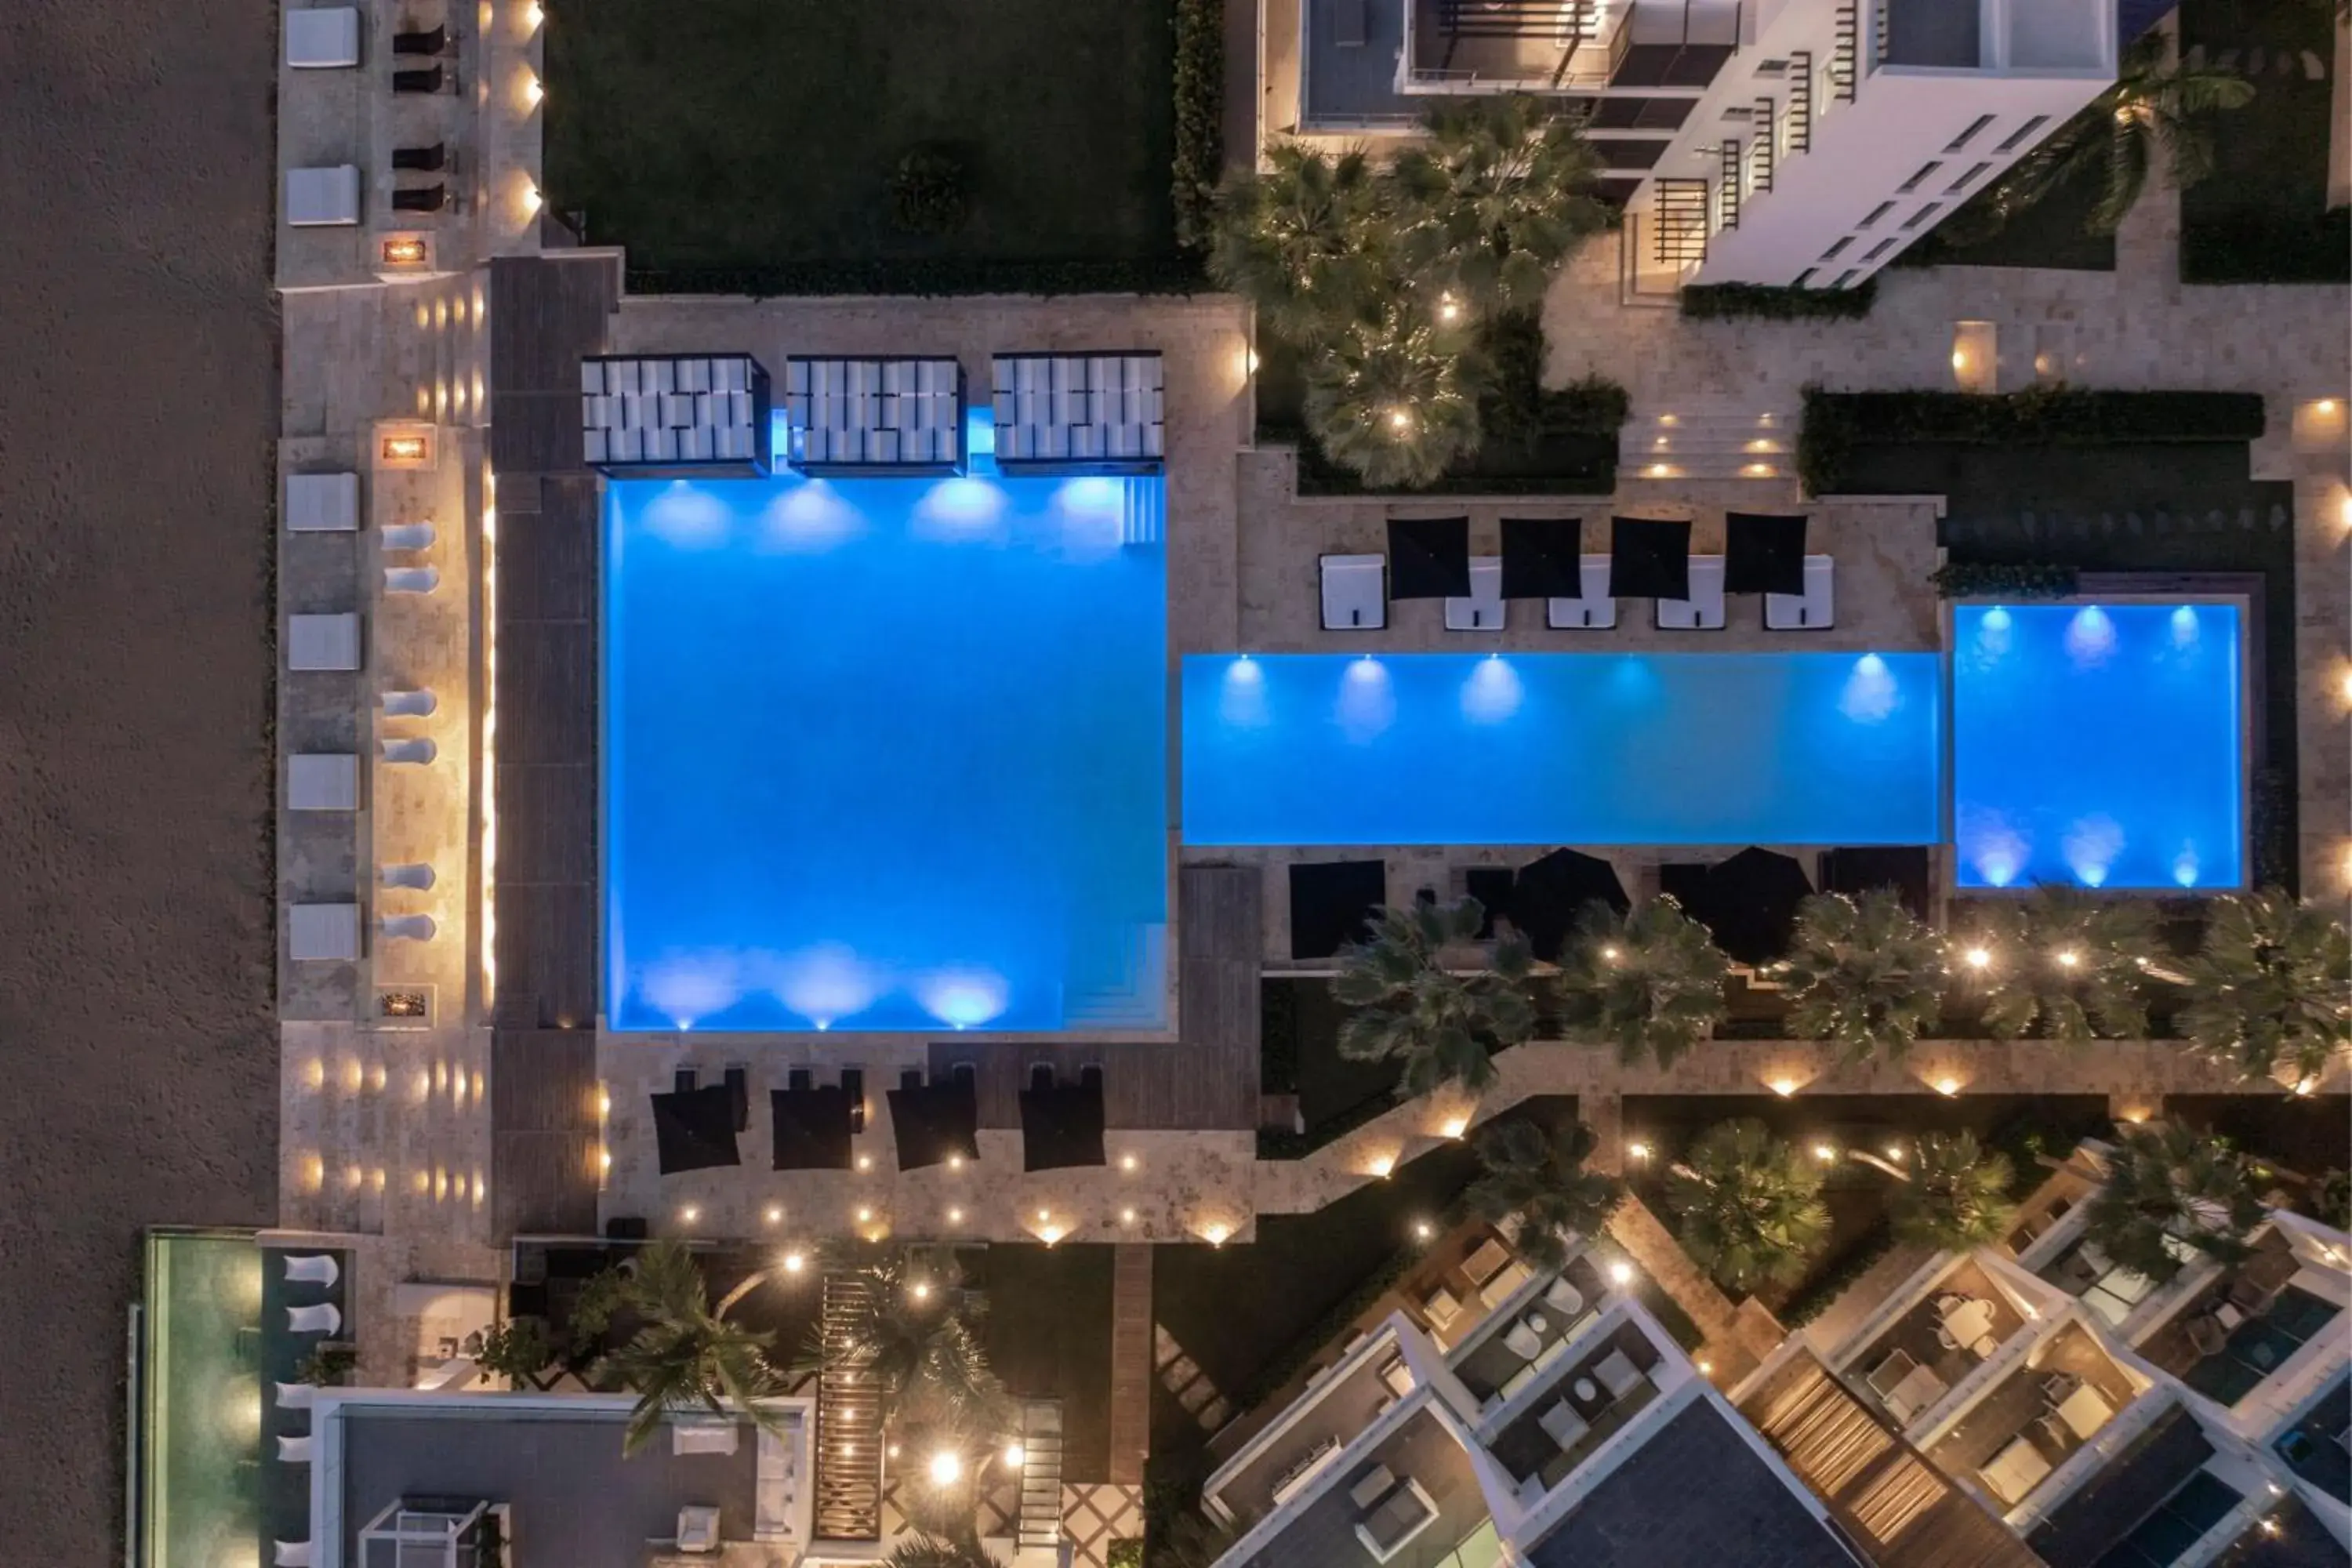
x=1836 y=423
x=1830 y=1283
x=2001 y=579
x=1724 y=301
x=2249 y=251
x=931 y=275
x=1199 y=116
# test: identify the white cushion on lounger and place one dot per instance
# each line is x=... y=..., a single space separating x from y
x=1594 y=610
x=322 y=38
x=1703 y=611
x=322 y=642
x=1810 y=610
x=1483 y=610
x=323 y=932
x=319 y=197
x=1355 y=593
x=323 y=781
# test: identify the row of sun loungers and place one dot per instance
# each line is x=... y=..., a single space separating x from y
x=1356 y=597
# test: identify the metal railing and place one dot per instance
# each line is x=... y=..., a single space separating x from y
x=1680 y=213
x=1842 y=62
x=1801 y=101
x=1766 y=127
x=1727 y=185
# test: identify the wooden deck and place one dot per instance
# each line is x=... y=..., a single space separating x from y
x=543 y=1131
x=544 y=315
x=1130 y=1363
x=1209 y=1079
x=1904 y=1512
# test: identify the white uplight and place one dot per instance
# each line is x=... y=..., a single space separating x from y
x=1493 y=692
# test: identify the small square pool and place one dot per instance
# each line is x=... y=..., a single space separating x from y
x=886 y=754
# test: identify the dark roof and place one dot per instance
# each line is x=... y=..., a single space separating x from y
x=2125 y=1491
x=1694 y=1495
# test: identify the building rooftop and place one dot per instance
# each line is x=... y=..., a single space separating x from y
x=574 y=1500
x=2127 y=1491
x=1695 y=1494
x=1421 y=1457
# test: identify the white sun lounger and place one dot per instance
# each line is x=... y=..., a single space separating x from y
x=1703 y=611
x=1355 y=593
x=326 y=37
x=322 y=642
x=322 y=781
x=323 y=932
x=1812 y=610
x=1594 y=610
x=322 y=198
x=324 y=1318
x=322 y=504
x=1483 y=610
x=294 y=1450
x=313 y=1268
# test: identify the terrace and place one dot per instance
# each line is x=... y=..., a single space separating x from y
x=2318 y=1447
x=2147 y=1505
x=2242 y=1325
x=1504 y=1358
x=1950 y=1332
x=1313 y=1432
x=2086 y=1272
x=1613 y=1381
x=1407 y=1503
x=2033 y=1420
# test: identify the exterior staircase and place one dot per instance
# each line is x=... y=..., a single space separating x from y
x=1040 y=1524
x=1702 y=438
x=848 y=1429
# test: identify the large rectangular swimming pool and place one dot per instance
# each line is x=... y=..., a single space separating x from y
x=2099 y=744
x=886 y=754
x=1573 y=748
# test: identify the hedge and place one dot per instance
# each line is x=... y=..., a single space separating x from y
x=1837 y=422
x=1831 y=1282
x=1200 y=73
x=2252 y=251
x=1280 y=1369
x=2006 y=579
x=1726 y=301
x=1277 y=1050
x=1178 y=274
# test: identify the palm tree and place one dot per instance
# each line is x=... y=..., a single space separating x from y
x=1305 y=241
x=1410 y=1008
x=914 y=1331
x=2273 y=984
x=2171 y=1188
x=1866 y=976
x=1497 y=196
x=2158 y=108
x=957 y=1549
x=687 y=1354
x=1649 y=983
x=1954 y=1195
x=1540 y=1180
x=1750 y=1205
x=1392 y=397
x=2062 y=963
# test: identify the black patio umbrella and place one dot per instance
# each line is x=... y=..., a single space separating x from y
x=1551 y=892
x=694 y=1129
x=1428 y=558
x=1330 y=902
x=934 y=1121
x=1854 y=872
x=1648 y=559
x=812 y=1128
x=1062 y=1125
x=1543 y=557
x=1750 y=902
x=1763 y=553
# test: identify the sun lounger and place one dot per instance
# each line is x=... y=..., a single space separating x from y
x=294 y=1450
x=417 y=751
x=322 y=198
x=406 y=536
x=1483 y=610
x=324 y=37
x=1812 y=610
x=322 y=642
x=407 y=927
x=292 y=1553
x=323 y=1318
x=313 y=1268
x=1703 y=611
x=411 y=579
x=430 y=80
x=1594 y=610
x=295 y=1395
x=420 y=199
x=323 y=781
x=323 y=932
x=1355 y=593
x=429 y=41
x=322 y=504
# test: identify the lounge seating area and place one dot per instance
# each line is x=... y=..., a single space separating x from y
x=1507 y=1356
x=2031 y=1422
x=1543 y=558
x=1578 y=1409
x=1394 y=1511
x=1961 y=1322
x=2086 y=1272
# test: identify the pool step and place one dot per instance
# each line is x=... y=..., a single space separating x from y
x=1118 y=981
x=1143 y=509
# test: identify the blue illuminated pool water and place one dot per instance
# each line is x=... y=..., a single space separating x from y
x=1577 y=748
x=2099 y=744
x=886 y=754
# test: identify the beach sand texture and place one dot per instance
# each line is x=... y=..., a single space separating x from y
x=138 y=408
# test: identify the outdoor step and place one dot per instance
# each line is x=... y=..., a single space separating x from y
x=1041 y=1474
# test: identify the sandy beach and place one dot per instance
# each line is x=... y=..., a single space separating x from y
x=137 y=413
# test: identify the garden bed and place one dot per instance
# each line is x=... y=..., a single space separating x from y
x=733 y=142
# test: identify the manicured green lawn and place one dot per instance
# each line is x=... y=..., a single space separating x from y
x=750 y=134
x=2262 y=216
